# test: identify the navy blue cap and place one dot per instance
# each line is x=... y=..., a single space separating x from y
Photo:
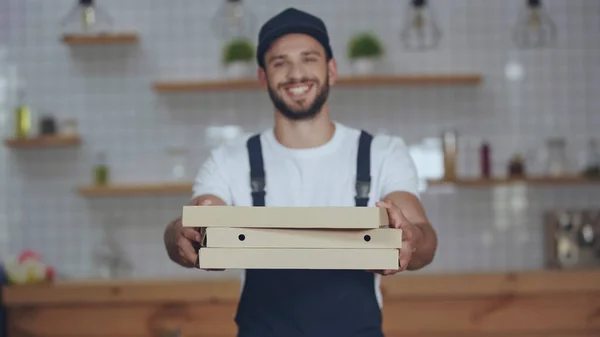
x=291 y=21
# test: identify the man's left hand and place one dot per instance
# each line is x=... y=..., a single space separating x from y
x=411 y=235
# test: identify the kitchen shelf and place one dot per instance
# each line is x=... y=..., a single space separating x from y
x=43 y=142
x=100 y=39
x=136 y=190
x=534 y=181
x=348 y=81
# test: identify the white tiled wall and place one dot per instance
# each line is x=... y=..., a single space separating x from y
x=108 y=90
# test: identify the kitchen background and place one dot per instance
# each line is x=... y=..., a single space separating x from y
x=105 y=91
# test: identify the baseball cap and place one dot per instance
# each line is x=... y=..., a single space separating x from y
x=291 y=21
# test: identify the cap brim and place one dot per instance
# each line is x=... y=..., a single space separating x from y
x=309 y=30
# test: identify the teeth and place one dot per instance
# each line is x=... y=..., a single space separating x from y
x=298 y=90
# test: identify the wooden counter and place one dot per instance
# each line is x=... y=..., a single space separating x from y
x=555 y=304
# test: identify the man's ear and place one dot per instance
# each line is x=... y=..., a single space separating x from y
x=333 y=71
x=262 y=77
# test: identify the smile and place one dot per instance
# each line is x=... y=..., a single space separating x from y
x=298 y=90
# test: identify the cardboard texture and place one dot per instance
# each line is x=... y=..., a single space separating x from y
x=285 y=217
x=292 y=258
x=238 y=237
x=303 y=238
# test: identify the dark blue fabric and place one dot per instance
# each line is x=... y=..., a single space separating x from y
x=309 y=303
x=291 y=21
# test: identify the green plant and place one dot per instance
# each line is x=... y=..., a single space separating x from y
x=364 y=45
x=238 y=50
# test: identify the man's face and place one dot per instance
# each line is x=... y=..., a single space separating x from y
x=297 y=76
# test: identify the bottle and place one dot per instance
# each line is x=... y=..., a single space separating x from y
x=449 y=147
x=592 y=165
x=101 y=171
x=484 y=160
x=22 y=117
x=516 y=167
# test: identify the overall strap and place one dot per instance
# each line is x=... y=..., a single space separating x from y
x=363 y=169
x=257 y=171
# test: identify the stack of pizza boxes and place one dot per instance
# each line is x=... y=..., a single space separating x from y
x=238 y=237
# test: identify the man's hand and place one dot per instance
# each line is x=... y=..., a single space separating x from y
x=411 y=235
x=186 y=241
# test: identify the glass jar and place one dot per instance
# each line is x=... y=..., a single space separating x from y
x=101 y=170
x=69 y=127
x=449 y=148
x=177 y=163
x=556 y=160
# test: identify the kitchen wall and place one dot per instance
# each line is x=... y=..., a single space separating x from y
x=526 y=96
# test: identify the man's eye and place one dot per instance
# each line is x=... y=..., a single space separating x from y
x=311 y=59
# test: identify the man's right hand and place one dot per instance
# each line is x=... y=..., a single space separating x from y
x=185 y=242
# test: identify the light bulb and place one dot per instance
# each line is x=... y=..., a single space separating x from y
x=87 y=16
x=534 y=28
x=232 y=20
x=420 y=31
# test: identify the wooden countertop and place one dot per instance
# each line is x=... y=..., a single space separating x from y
x=405 y=285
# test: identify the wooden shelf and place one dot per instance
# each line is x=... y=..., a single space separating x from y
x=348 y=81
x=100 y=39
x=43 y=142
x=136 y=190
x=535 y=181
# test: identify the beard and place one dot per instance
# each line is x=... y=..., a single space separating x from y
x=304 y=113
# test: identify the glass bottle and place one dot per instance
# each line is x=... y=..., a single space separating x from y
x=556 y=163
x=101 y=171
x=449 y=146
x=592 y=163
x=22 y=117
x=484 y=157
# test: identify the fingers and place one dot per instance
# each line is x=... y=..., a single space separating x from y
x=397 y=220
x=191 y=234
x=405 y=254
x=187 y=253
x=384 y=272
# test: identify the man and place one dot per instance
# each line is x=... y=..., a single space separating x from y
x=309 y=160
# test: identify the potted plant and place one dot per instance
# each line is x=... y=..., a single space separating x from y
x=238 y=55
x=363 y=50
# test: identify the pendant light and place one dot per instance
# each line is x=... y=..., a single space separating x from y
x=87 y=16
x=420 y=31
x=233 y=20
x=534 y=28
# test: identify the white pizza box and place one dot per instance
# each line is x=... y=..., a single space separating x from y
x=231 y=237
x=298 y=258
x=285 y=217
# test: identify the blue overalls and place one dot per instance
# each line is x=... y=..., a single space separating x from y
x=309 y=303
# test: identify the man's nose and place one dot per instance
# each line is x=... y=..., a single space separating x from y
x=296 y=72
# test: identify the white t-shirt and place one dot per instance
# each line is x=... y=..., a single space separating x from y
x=321 y=176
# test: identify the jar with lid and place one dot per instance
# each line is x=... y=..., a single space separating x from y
x=556 y=157
x=450 y=152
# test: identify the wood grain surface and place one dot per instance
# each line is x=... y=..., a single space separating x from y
x=555 y=304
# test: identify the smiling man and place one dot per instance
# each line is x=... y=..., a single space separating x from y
x=307 y=159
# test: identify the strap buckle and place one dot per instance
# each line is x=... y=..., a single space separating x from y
x=363 y=188
x=257 y=184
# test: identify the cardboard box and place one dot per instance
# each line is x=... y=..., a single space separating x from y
x=292 y=258
x=221 y=237
x=285 y=217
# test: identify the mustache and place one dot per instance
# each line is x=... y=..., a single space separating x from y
x=298 y=81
